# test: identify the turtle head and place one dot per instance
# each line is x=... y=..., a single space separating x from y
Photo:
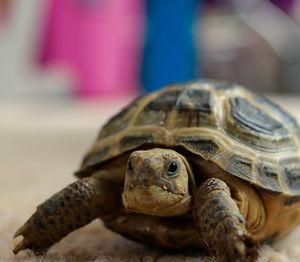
x=157 y=183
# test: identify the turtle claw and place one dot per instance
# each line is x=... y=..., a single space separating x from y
x=31 y=238
x=21 y=231
x=26 y=242
x=20 y=246
x=240 y=248
x=243 y=249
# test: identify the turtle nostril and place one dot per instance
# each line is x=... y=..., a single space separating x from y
x=129 y=166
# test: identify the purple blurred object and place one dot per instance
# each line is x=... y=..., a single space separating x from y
x=212 y=2
x=285 y=5
x=99 y=40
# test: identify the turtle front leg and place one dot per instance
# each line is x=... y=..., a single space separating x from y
x=71 y=208
x=221 y=224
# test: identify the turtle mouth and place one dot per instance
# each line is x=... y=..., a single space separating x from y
x=155 y=200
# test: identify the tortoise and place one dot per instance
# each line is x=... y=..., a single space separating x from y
x=204 y=165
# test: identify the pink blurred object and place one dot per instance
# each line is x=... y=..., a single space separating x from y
x=100 y=40
x=4 y=9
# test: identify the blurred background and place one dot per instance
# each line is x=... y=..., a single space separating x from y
x=77 y=49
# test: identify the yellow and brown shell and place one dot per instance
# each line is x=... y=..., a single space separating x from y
x=245 y=134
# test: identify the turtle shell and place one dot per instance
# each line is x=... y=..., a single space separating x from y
x=243 y=133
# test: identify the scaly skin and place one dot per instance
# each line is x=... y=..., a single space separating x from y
x=220 y=223
x=71 y=208
x=151 y=188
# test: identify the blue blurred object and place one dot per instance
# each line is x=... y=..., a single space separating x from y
x=169 y=54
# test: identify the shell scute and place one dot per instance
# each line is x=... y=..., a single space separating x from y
x=240 y=167
x=252 y=125
x=119 y=122
x=251 y=117
x=204 y=147
x=269 y=177
x=163 y=102
x=278 y=111
x=94 y=158
x=195 y=108
x=291 y=172
x=129 y=142
x=194 y=100
x=244 y=134
x=156 y=112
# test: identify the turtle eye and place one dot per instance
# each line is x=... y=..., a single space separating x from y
x=129 y=166
x=173 y=169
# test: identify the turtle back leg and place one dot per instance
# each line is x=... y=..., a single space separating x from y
x=73 y=207
x=220 y=223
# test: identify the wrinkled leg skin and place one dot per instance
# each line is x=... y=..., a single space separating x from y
x=71 y=208
x=220 y=223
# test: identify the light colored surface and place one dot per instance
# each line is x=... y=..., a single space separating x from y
x=41 y=144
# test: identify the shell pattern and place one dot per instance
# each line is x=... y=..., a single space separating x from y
x=245 y=134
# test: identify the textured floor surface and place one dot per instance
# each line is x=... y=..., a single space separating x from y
x=40 y=146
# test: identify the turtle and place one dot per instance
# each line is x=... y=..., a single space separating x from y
x=204 y=165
